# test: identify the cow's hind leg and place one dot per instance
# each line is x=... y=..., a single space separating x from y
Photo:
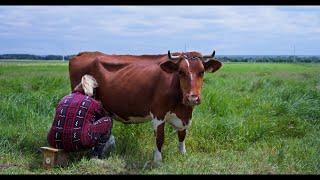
x=158 y=126
x=182 y=136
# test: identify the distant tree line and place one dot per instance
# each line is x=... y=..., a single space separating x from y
x=35 y=57
x=266 y=58
x=224 y=58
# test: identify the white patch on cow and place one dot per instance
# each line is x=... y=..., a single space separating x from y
x=156 y=122
x=182 y=147
x=152 y=116
x=172 y=119
x=191 y=75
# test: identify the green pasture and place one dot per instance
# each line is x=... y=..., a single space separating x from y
x=261 y=118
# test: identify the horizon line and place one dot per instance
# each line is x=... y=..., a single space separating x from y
x=164 y=53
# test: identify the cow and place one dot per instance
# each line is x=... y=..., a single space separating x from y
x=162 y=88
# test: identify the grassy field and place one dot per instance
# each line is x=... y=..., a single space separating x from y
x=254 y=119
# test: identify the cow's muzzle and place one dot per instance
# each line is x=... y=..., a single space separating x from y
x=193 y=99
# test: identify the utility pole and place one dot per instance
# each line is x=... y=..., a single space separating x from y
x=294 y=53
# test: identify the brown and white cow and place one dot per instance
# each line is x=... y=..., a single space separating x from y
x=162 y=88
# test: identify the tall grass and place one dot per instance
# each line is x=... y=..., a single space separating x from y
x=254 y=118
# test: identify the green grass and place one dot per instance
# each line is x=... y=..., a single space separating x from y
x=254 y=119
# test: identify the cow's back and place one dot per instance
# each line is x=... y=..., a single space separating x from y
x=80 y=64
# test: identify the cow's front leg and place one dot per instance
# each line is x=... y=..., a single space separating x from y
x=158 y=126
x=182 y=136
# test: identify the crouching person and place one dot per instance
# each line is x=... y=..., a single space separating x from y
x=81 y=123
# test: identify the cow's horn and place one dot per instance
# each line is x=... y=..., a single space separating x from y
x=210 y=56
x=172 y=57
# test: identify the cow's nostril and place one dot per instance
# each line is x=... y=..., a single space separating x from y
x=193 y=96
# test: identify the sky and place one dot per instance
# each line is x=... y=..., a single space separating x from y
x=229 y=30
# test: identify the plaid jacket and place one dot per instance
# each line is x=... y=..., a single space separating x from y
x=76 y=123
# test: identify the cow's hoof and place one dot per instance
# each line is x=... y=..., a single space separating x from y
x=183 y=152
x=151 y=164
x=110 y=144
x=182 y=148
x=157 y=156
x=157 y=159
x=156 y=164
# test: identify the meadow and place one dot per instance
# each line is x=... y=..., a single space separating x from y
x=261 y=118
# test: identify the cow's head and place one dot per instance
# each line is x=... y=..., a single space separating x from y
x=190 y=68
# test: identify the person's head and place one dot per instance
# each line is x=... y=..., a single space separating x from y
x=88 y=84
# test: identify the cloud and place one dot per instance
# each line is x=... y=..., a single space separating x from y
x=151 y=29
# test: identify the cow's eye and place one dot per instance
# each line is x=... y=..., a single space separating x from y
x=201 y=73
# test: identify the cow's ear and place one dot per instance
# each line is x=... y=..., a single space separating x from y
x=212 y=65
x=169 y=66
